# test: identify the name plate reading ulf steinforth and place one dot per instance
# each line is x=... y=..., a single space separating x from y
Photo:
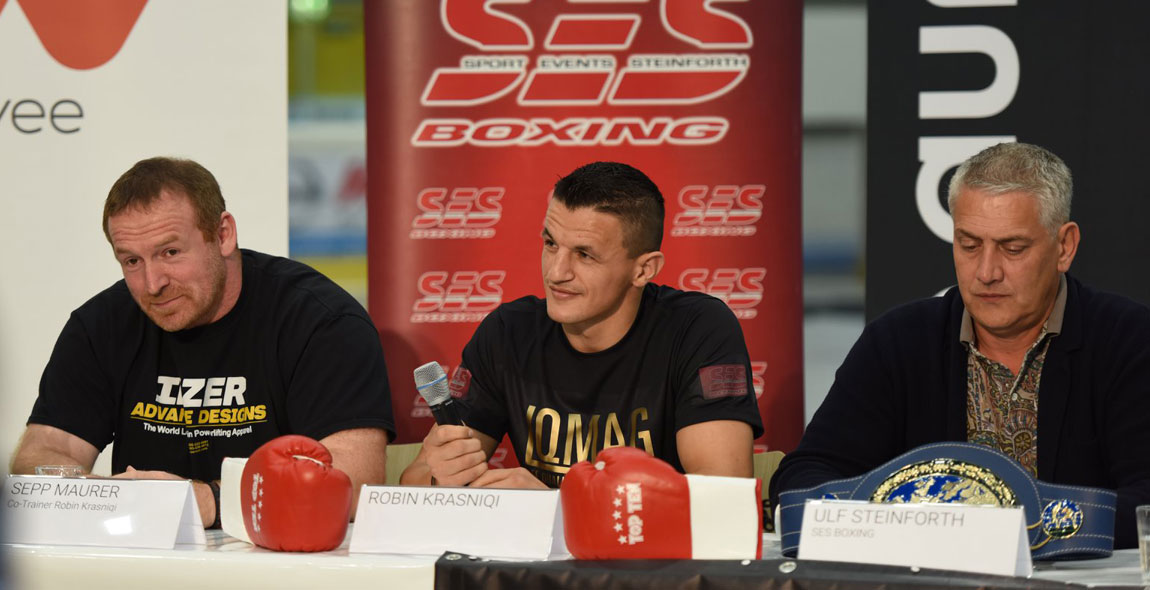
x=154 y=514
x=962 y=537
x=514 y=524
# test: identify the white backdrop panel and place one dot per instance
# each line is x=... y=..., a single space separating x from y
x=205 y=80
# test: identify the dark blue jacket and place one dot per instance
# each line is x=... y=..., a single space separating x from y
x=903 y=384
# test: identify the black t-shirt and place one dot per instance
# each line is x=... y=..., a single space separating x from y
x=296 y=355
x=682 y=362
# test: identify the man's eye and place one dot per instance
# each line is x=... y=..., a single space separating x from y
x=131 y=261
x=171 y=252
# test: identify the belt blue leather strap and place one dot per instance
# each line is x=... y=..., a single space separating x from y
x=1064 y=522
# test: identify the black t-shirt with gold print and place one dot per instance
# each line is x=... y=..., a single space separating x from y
x=683 y=361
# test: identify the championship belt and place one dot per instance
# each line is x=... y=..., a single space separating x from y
x=1063 y=522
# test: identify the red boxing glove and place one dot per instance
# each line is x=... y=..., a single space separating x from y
x=630 y=505
x=627 y=505
x=292 y=498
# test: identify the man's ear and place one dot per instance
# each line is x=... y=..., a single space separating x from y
x=226 y=237
x=1068 y=236
x=647 y=265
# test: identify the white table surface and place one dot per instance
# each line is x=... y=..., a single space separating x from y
x=223 y=563
x=228 y=563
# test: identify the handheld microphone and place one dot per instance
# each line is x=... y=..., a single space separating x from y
x=431 y=382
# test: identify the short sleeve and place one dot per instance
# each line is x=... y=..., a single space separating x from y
x=340 y=381
x=478 y=380
x=713 y=371
x=76 y=394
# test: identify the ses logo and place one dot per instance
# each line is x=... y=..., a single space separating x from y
x=740 y=288
x=458 y=213
x=720 y=210
x=461 y=297
x=585 y=61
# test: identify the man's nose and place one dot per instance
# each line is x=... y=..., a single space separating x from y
x=559 y=267
x=155 y=278
x=989 y=266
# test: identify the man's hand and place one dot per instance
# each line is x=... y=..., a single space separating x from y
x=449 y=456
x=517 y=478
x=204 y=498
x=454 y=455
x=133 y=473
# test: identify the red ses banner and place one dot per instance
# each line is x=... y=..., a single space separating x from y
x=476 y=107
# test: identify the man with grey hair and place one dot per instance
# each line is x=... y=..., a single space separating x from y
x=1020 y=357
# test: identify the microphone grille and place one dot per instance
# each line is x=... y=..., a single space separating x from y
x=431 y=382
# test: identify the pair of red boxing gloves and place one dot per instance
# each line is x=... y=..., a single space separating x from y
x=625 y=505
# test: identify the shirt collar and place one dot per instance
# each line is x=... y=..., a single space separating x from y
x=1053 y=323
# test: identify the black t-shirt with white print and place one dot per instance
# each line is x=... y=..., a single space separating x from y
x=683 y=361
x=296 y=355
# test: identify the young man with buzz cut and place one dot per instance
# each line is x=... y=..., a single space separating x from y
x=607 y=358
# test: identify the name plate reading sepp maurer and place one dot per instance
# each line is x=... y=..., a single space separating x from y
x=515 y=524
x=961 y=537
x=155 y=514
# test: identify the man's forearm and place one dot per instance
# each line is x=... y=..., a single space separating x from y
x=48 y=445
x=361 y=453
x=719 y=447
x=24 y=462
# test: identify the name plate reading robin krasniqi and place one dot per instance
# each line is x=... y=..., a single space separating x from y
x=49 y=510
x=515 y=524
x=961 y=537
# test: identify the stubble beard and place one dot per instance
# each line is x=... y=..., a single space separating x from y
x=203 y=314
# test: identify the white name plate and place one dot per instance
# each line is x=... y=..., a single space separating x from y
x=980 y=539
x=512 y=524
x=155 y=514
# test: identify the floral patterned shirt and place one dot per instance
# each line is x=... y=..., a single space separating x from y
x=1001 y=407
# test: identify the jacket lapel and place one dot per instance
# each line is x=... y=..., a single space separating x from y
x=1054 y=389
x=956 y=373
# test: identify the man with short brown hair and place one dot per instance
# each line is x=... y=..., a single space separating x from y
x=205 y=351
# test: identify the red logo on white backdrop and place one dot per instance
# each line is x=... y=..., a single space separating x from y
x=580 y=68
x=458 y=213
x=758 y=370
x=740 y=288
x=720 y=210
x=81 y=35
x=462 y=296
